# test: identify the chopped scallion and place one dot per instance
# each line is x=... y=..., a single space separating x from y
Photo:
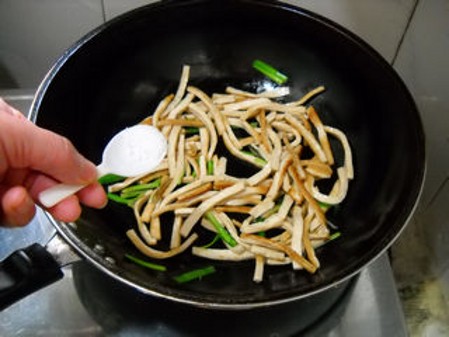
x=120 y=200
x=145 y=264
x=257 y=159
x=194 y=274
x=192 y=130
x=221 y=230
x=210 y=167
x=324 y=206
x=214 y=240
x=143 y=187
x=269 y=71
x=110 y=179
x=334 y=236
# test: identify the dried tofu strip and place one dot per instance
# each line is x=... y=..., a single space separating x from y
x=208 y=204
x=346 y=148
x=276 y=153
x=178 y=171
x=338 y=196
x=221 y=254
x=175 y=240
x=201 y=115
x=308 y=136
x=177 y=110
x=181 y=122
x=180 y=191
x=297 y=233
x=270 y=136
x=308 y=96
x=267 y=252
x=322 y=135
x=160 y=109
x=246 y=104
x=273 y=93
x=282 y=126
x=171 y=151
x=142 y=227
x=239 y=154
x=183 y=81
x=212 y=108
x=158 y=254
x=262 y=208
x=259 y=269
x=306 y=194
x=259 y=240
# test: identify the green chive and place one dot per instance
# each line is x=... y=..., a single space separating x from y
x=214 y=240
x=334 y=236
x=143 y=187
x=259 y=160
x=192 y=130
x=324 y=206
x=194 y=274
x=131 y=194
x=221 y=230
x=210 y=167
x=120 y=200
x=110 y=179
x=272 y=211
x=146 y=264
x=269 y=71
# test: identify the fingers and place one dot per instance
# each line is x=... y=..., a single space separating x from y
x=69 y=209
x=18 y=207
x=93 y=195
x=25 y=145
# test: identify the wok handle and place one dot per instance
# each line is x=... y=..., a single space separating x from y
x=25 y=271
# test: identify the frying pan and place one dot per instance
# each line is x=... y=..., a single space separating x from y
x=115 y=76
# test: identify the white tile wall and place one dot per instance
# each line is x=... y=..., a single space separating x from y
x=34 y=33
x=424 y=65
x=113 y=8
x=381 y=23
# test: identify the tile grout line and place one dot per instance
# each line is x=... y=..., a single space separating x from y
x=407 y=26
x=103 y=10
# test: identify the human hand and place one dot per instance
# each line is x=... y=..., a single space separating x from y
x=33 y=159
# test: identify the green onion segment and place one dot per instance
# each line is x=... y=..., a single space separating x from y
x=145 y=264
x=194 y=274
x=270 y=72
x=221 y=230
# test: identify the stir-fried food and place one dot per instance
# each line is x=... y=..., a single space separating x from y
x=274 y=215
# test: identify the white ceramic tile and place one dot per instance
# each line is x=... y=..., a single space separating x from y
x=423 y=64
x=113 y=8
x=381 y=23
x=34 y=33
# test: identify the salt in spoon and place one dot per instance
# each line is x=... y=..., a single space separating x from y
x=131 y=152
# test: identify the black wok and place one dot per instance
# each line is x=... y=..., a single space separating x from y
x=115 y=76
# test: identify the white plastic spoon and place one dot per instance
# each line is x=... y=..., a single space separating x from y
x=133 y=151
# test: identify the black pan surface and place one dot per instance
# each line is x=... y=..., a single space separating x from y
x=116 y=75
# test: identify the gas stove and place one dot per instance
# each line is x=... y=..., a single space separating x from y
x=76 y=306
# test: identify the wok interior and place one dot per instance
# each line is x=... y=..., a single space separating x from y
x=116 y=76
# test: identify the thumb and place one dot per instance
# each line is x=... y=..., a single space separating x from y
x=29 y=146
